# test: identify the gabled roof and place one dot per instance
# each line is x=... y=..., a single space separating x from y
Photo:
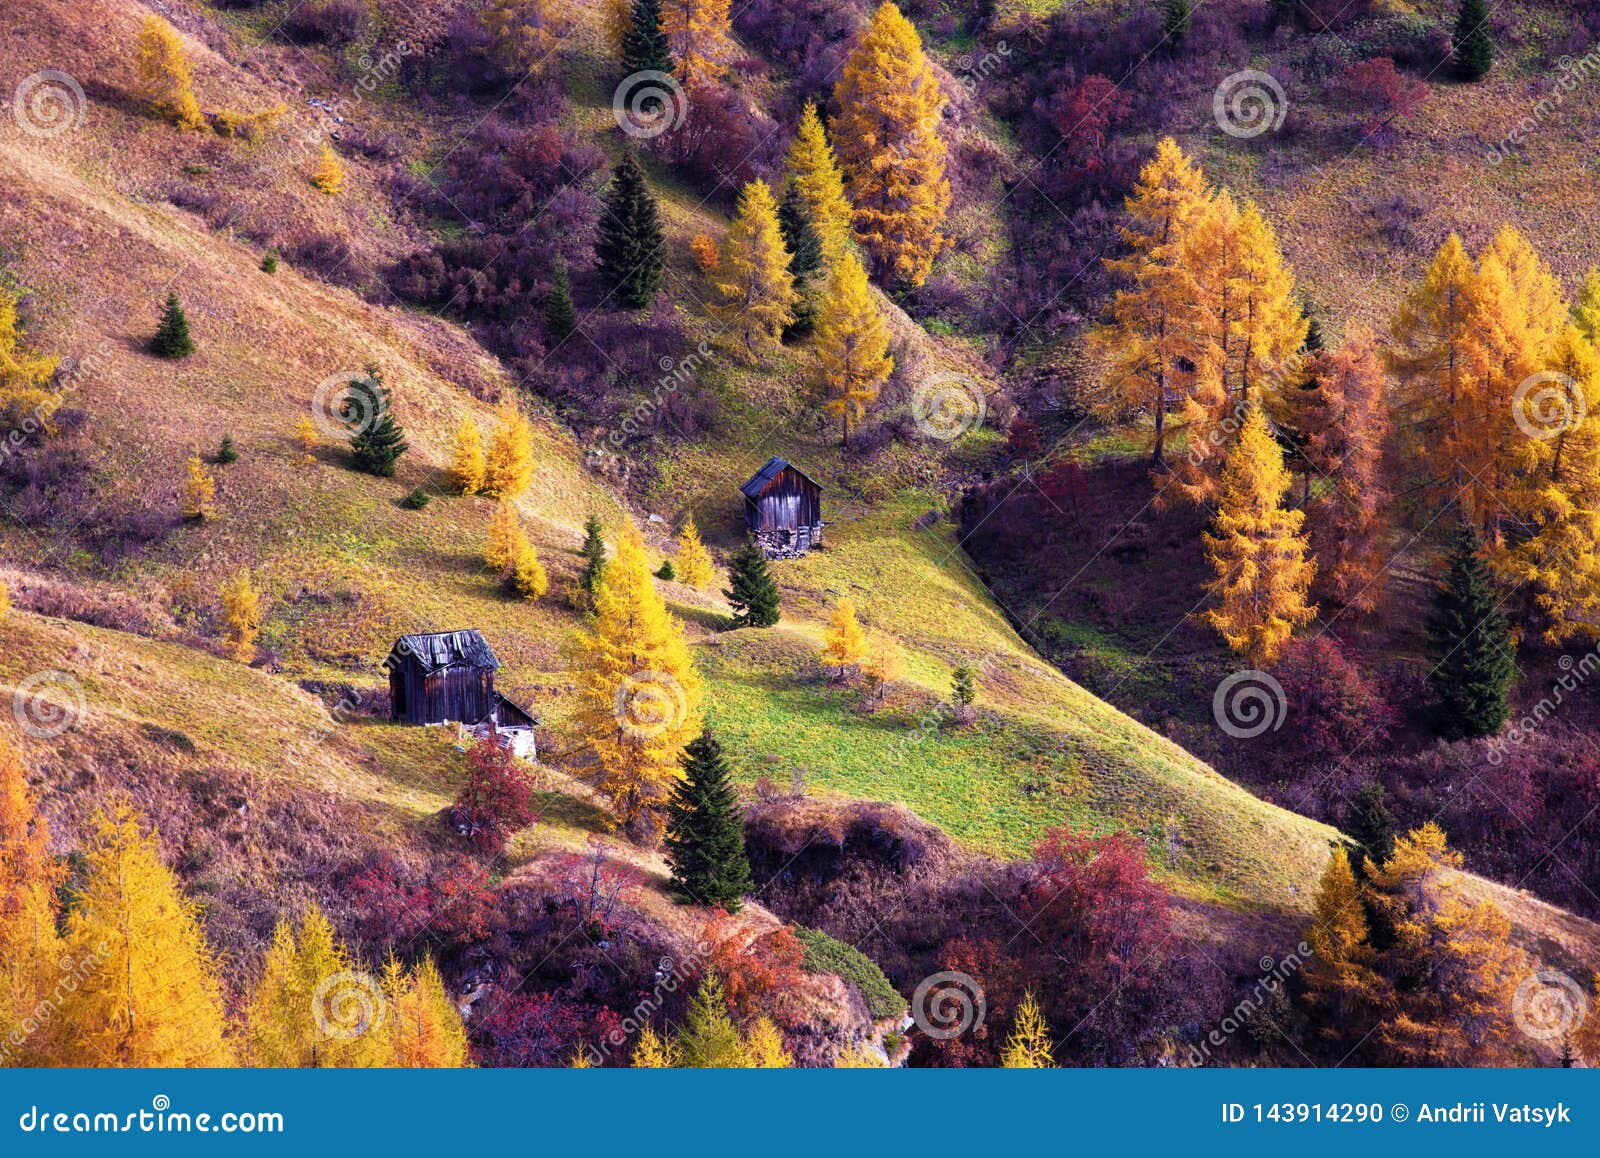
x=508 y=714
x=770 y=470
x=440 y=649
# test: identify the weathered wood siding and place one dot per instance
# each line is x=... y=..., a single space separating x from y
x=461 y=694
x=788 y=503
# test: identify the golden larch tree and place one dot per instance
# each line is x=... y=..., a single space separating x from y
x=506 y=538
x=889 y=145
x=508 y=469
x=845 y=641
x=639 y=695
x=1268 y=326
x=241 y=612
x=764 y=1045
x=467 y=468
x=523 y=35
x=328 y=173
x=852 y=344
x=25 y=392
x=1256 y=551
x=30 y=952
x=815 y=169
x=166 y=78
x=1029 y=1047
x=1451 y=968
x=528 y=578
x=311 y=1008
x=1341 y=987
x=694 y=565
x=422 y=1025
x=1148 y=334
x=652 y=1052
x=1586 y=310
x=199 y=490
x=701 y=35
x=305 y=434
x=155 y=998
x=752 y=277
x=5 y=602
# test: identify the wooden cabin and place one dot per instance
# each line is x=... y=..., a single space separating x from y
x=783 y=509
x=447 y=677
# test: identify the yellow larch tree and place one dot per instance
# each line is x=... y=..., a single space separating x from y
x=694 y=565
x=422 y=1026
x=166 y=78
x=5 y=602
x=30 y=953
x=1268 y=326
x=639 y=696
x=311 y=1008
x=1554 y=493
x=199 y=490
x=241 y=612
x=508 y=469
x=616 y=19
x=652 y=1052
x=1148 y=336
x=1586 y=310
x=1340 y=984
x=25 y=392
x=1256 y=550
x=845 y=641
x=858 y=1057
x=506 y=538
x=1029 y=1047
x=852 y=344
x=701 y=35
x=764 y=1044
x=882 y=663
x=528 y=578
x=467 y=468
x=815 y=169
x=328 y=174
x=888 y=142
x=305 y=434
x=1451 y=967
x=752 y=277
x=523 y=35
x=154 y=998
x=1432 y=333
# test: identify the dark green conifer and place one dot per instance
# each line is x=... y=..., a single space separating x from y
x=628 y=248
x=376 y=439
x=644 y=42
x=594 y=555
x=705 y=832
x=1472 y=44
x=559 y=317
x=751 y=591
x=172 y=338
x=1472 y=646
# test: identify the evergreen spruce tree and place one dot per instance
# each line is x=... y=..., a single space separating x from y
x=751 y=591
x=705 y=833
x=594 y=555
x=227 y=452
x=376 y=439
x=1472 y=44
x=1371 y=827
x=628 y=249
x=559 y=317
x=804 y=243
x=172 y=338
x=1476 y=667
x=1175 y=16
x=644 y=42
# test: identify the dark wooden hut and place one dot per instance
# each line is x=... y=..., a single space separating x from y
x=783 y=509
x=440 y=677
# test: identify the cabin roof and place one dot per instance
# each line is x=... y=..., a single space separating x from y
x=770 y=470
x=509 y=714
x=441 y=649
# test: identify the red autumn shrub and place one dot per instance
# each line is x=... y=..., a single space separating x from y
x=1383 y=93
x=1332 y=708
x=758 y=974
x=540 y=1029
x=496 y=799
